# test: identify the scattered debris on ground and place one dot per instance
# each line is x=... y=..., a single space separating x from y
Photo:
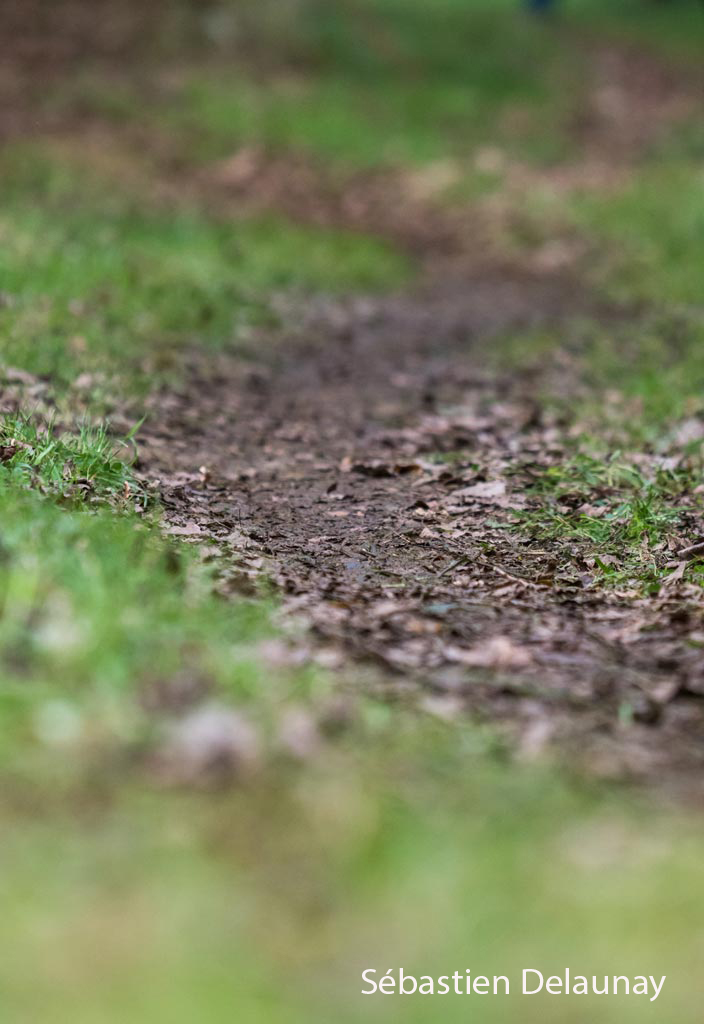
x=374 y=469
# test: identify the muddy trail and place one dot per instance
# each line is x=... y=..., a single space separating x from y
x=372 y=463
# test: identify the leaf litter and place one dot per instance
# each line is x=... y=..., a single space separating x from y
x=370 y=469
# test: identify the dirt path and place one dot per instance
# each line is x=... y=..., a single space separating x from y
x=371 y=459
x=329 y=468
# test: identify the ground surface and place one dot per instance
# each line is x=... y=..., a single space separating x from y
x=370 y=469
x=351 y=505
x=377 y=462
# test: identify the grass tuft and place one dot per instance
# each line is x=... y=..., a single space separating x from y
x=88 y=466
x=626 y=521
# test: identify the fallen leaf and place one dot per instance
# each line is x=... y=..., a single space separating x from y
x=485 y=490
x=499 y=652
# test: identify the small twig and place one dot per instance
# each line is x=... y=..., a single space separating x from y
x=490 y=565
x=511 y=576
x=453 y=565
x=693 y=551
x=677 y=575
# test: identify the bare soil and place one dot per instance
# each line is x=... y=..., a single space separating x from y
x=320 y=467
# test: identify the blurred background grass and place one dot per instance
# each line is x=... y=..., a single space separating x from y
x=408 y=842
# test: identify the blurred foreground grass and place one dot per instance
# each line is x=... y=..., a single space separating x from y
x=406 y=848
x=406 y=842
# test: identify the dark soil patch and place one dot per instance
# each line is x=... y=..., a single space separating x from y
x=321 y=467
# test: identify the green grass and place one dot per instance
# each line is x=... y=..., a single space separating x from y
x=675 y=31
x=634 y=381
x=361 y=84
x=652 y=236
x=626 y=517
x=270 y=902
x=643 y=257
x=96 y=281
x=403 y=112
x=364 y=83
x=99 y=616
x=653 y=372
x=86 y=465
